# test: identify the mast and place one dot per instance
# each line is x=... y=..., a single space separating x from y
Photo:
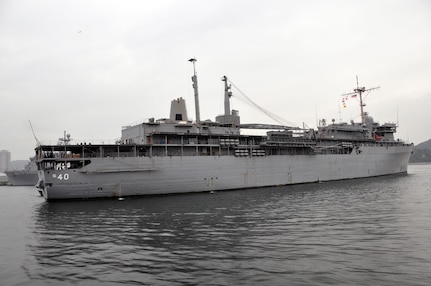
x=359 y=91
x=65 y=140
x=227 y=96
x=195 y=88
x=230 y=117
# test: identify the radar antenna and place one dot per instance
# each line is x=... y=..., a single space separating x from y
x=359 y=91
x=65 y=140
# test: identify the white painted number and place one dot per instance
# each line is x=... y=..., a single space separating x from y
x=63 y=177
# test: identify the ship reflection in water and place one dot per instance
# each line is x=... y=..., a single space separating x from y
x=328 y=233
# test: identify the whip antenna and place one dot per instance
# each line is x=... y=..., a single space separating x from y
x=34 y=135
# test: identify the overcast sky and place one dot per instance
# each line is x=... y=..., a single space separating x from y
x=91 y=67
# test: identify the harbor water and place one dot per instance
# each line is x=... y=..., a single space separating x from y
x=374 y=231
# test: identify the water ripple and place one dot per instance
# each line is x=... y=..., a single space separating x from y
x=352 y=232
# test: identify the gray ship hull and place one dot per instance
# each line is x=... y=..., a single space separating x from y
x=139 y=176
x=22 y=178
x=26 y=177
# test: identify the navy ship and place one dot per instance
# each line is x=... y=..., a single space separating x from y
x=25 y=177
x=176 y=155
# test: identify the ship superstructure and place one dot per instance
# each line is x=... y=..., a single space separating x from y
x=176 y=155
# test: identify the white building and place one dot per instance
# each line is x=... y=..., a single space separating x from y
x=3 y=178
x=4 y=160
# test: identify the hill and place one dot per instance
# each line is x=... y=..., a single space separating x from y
x=421 y=153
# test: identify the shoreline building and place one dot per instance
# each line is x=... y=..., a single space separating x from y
x=5 y=160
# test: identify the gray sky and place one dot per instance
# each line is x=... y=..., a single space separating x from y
x=90 y=67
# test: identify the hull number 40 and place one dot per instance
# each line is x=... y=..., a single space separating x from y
x=61 y=177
